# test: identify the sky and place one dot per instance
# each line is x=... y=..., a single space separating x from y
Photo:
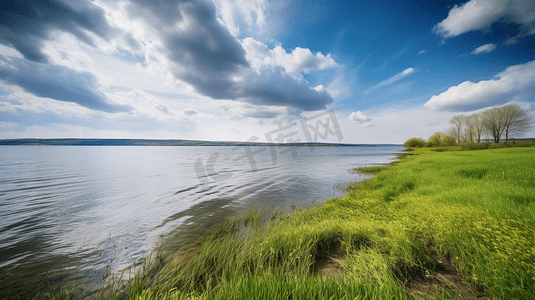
x=236 y=70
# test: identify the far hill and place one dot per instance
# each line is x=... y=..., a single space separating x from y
x=145 y=142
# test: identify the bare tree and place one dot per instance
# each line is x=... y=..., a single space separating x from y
x=469 y=132
x=457 y=123
x=494 y=122
x=516 y=120
x=509 y=119
x=477 y=120
x=451 y=136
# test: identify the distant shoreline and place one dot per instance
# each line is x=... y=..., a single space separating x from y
x=147 y=142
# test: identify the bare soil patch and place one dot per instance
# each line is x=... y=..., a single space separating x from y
x=328 y=265
x=439 y=276
x=328 y=254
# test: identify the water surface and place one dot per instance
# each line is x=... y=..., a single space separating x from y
x=76 y=211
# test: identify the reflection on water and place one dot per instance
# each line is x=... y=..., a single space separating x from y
x=72 y=212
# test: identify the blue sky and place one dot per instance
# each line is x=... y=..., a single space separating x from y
x=231 y=70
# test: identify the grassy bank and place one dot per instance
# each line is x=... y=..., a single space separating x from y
x=439 y=225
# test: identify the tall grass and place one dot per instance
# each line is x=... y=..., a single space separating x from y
x=477 y=208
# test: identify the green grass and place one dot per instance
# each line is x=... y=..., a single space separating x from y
x=476 y=208
x=371 y=170
x=481 y=146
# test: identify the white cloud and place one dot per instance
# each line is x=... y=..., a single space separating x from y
x=8 y=124
x=358 y=117
x=161 y=108
x=9 y=52
x=481 y=14
x=473 y=15
x=300 y=60
x=513 y=83
x=303 y=60
x=201 y=52
x=484 y=49
x=247 y=12
x=421 y=51
x=164 y=76
x=65 y=50
x=257 y=53
x=392 y=79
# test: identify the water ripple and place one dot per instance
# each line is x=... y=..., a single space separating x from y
x=74 y=212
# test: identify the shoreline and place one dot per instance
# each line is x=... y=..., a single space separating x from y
x=303 y=181
x=394 y=235
x=323 y=254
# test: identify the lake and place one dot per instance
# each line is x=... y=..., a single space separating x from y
x=75 y=213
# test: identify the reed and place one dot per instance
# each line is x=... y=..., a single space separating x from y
x=462 y=222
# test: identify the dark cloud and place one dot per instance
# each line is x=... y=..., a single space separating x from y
x=158 y=11
x=163 y=109
x=273 y=86
x=202 y=52
x=239 y=111
x=26 y=25
x=267 y=114
x=189 y=112
x=56 y=82
x=206 y=55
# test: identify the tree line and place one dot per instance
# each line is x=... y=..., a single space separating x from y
x=507 y=121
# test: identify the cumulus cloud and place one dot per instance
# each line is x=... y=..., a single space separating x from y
x=421 y=52
x=300 y=60
x=44 y=58
x=27 y=26
x=359 y=117
x=182 y=41
x=481 y=14
x=392 y=79
x=484 y=49
x=514 y=82
x=56 y=82
x=204 y=54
